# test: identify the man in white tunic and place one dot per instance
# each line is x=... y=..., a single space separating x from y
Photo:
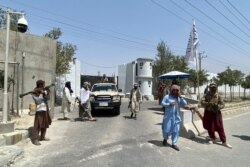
x=66 y=100
x=85 y=102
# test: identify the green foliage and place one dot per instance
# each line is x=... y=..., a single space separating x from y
x=13 y=20
x=193 y=80
x=64 y=52
x=166 y=61
x=232 y=78
x=246 y=83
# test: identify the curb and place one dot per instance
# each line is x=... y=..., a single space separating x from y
x=190 y=129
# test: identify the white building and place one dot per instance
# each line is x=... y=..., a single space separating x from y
x=74 y=76
x=139 y=71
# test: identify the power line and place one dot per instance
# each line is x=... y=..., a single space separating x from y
x=213 y=62
x=92 y=31
x=233 y=45
x=226 y=18
x=99 y=65
x=72 y=19
x=238 y=11
x=217 y=23
x=85 y=29
x=235 y=15
x=106 y=34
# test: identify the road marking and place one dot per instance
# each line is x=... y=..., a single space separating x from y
x=103 y=153
x=238 y=115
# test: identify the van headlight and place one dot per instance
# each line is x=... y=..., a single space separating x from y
x=116 y=98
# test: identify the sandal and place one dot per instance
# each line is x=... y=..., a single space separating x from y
x=92 y=119
x=36 y=143
x=45 y=139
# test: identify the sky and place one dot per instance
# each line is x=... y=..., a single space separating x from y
x=109 y=33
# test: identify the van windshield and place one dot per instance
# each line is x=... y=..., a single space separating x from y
x=104 y=88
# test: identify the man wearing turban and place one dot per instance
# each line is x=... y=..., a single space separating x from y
x=171 y=120
x=212 y=120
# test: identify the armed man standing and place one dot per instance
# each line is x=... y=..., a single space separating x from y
x=135 y=100
x=212 y=120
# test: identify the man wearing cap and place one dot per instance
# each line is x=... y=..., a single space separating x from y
x=42 y=117
x=171 y=120
x=135 y=100
x=85 y=103
x=212 y=120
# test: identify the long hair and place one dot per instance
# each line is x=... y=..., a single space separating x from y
x=68 y=85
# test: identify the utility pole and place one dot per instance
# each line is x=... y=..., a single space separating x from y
x=201 y=56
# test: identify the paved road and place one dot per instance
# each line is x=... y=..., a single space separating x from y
x=117 y=141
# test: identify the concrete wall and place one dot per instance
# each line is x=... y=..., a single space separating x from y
x=130 y=77
x=36 y=58
x=122 y=77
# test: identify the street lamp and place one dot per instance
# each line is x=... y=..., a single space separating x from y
x=22 y=26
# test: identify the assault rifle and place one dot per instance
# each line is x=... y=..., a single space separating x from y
x=36 y=90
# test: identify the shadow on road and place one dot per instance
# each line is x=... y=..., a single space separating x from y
x=242 y=137
x=128 y=117
x=159 y=113
x=78 y=119
x=157 y=143
x=159 y=123
x=200 y=139
x=156 y=109
x=103 y=113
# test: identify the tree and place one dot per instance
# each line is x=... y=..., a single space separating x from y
x=193 y=80
x=239 y=78
x=231 y=78
x=166 y=61
x=64 y=52
x=13 y=20
x=246 y=84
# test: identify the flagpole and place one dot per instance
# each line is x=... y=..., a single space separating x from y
x=194 y=54
x=191 y=54
x=198 y=78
